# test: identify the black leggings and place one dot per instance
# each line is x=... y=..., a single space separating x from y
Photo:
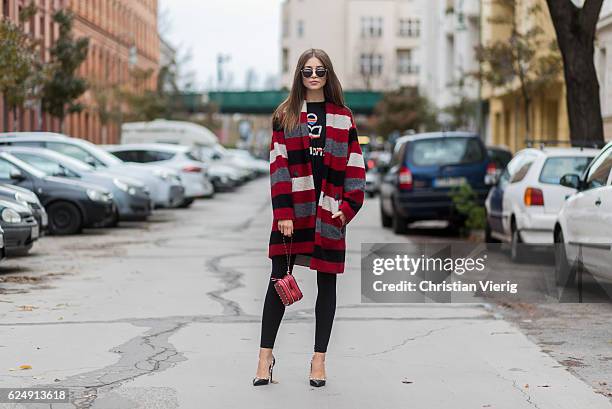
x=325 y=307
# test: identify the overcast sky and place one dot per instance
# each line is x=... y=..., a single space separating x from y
x=247 y=30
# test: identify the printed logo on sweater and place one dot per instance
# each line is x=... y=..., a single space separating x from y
x=313 y=128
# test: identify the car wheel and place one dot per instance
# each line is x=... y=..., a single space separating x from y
x=64 y=218
x=517 y=248
x=186 y=203
x=384 y=217
x=564 y=274
x=399 y=223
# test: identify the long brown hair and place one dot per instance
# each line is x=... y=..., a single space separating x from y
x=288 y=112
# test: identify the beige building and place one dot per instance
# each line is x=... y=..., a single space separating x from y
x=374 y=44
x=506 y=119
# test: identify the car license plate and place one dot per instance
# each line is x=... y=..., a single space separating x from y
x=35 y=232
x=449 y=181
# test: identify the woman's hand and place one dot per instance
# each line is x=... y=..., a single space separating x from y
x=286 y=227
x=340 y=215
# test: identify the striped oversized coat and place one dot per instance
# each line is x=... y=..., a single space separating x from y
x=293 y=191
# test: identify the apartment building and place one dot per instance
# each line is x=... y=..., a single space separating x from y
x=123 y=45
x=505 y=119
x=42 y=27
x=123 y=39
x=374 y=44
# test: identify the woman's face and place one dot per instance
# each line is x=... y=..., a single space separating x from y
x=314 y=82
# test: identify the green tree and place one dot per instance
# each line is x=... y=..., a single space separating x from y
x=402 y=110
x=64 y=87
x=575 y=28
x=21 y=70
x=525 y=59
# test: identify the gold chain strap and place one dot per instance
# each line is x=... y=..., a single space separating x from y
x=288 y=254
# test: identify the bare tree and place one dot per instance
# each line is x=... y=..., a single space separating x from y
x=575 y=28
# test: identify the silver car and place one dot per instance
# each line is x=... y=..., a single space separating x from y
x=164 y=184
x=193 y=172
x=131 y=196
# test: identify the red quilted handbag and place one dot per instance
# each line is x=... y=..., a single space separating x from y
x=287 y=287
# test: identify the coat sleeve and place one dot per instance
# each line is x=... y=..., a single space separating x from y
x=354 y=180
x=280 y=180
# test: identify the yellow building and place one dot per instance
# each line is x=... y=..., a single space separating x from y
x=506 y=117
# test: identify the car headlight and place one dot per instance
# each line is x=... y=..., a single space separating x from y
x=121 y=185
x=10 y=216
x=98 y=195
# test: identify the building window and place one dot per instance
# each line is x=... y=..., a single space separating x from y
x=405 y=64
x=5 y=8
x=285 y=27
x=371 y=64
x=409 y=27
x=300 y=28
x=371 y=27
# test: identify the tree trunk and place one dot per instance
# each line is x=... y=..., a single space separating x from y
x=61 y=121
x=575 y=28
x=16 y=119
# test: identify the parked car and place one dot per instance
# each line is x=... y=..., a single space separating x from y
x=193 y=172
x=71 y=204
x=583 y=228
x=219 y=159
x=2 y=246
x=423 y=170
x=29 y=199
x=521 y=209
x=259 y=166
x=376 y=166
x=500 y=156
x=132 y=197
x=164 y=184
x=20 y=227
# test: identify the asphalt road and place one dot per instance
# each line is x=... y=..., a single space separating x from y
x=166 y=314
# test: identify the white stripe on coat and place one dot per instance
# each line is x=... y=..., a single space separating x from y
x=278 y=149
x=300 y=184
x=329 y=203
x=356 y=160
x=338 y=121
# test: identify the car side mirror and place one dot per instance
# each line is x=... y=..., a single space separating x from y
x=570 y=180
x=91 y=161
x=16 y=174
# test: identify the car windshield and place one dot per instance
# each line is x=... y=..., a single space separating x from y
x=555 y=168
x=100 y=154
x=447 y=151
x=25 y=166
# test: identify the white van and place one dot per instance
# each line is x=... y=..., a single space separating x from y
x=164 y=131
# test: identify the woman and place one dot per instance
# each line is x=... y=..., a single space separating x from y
x=317 y=176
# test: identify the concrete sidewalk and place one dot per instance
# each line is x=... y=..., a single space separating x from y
x=167 y=315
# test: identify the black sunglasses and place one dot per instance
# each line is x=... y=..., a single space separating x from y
x=320 y=71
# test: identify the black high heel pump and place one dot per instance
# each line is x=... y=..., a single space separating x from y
x=316 y=382
x=264 y=381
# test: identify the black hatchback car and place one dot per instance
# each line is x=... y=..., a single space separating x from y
x=71 y=205
x=424 y=169
x=20 y=227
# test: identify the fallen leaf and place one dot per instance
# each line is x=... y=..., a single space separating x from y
x=526 y=385
x=543 y=386
x=26 y=307
x=407 y=381
x=23 y=367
